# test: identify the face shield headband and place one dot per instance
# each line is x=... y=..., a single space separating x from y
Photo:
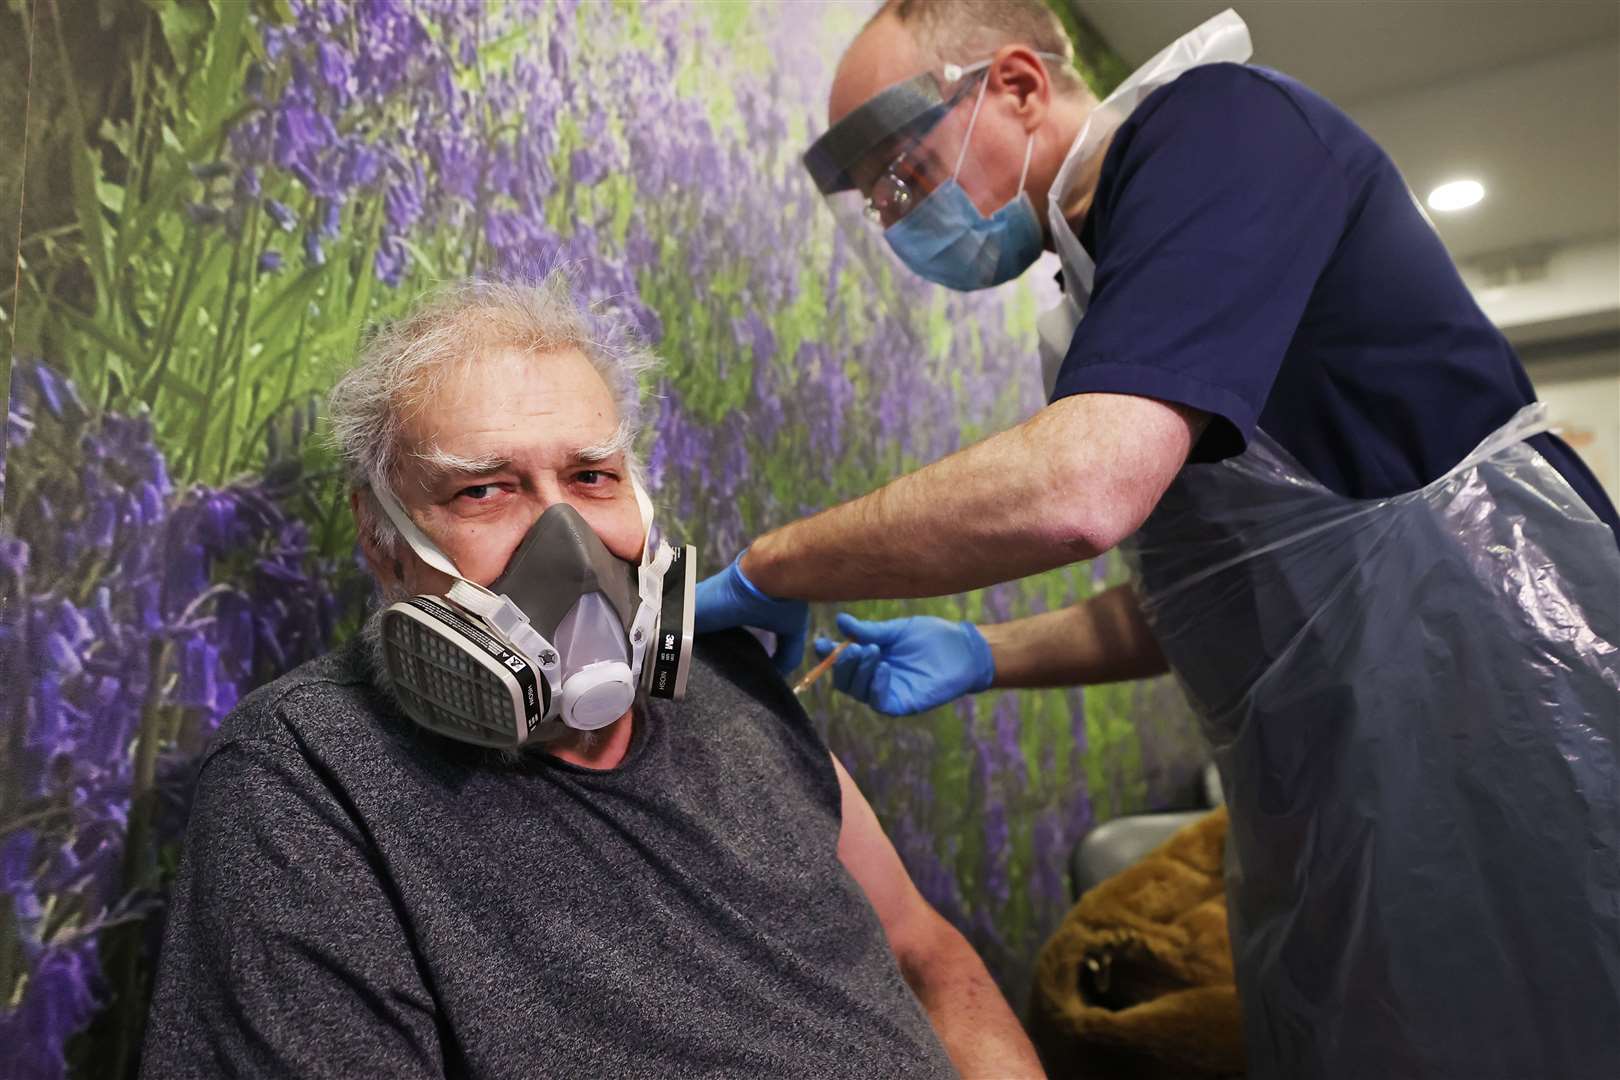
x=563 y=640
x=873 y=134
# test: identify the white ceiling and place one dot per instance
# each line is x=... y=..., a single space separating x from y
x=1523 y=95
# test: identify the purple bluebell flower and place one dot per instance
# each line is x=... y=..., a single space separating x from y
x=281 y=215
x=586 y=167
x=392 y=261
x=269 y=262
x=362 y=165
x=13 y=558
x=337 y=72
x=314 y=253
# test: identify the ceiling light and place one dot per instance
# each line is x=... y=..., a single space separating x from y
x=1456 y=195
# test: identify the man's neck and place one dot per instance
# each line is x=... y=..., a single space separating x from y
x=602 y=749
x=1072 y=115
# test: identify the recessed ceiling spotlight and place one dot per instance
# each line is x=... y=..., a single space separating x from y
x=1456 y=195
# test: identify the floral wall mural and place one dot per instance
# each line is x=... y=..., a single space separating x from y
x=221 y=196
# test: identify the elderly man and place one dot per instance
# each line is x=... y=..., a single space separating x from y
x=693 y=889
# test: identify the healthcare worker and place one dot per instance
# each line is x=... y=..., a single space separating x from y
x=1392 y=595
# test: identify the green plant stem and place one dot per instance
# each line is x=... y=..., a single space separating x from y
x=169 y=327
x=295 y=360
x=138 y=163
x=84 y=196
x=250 y=235
x=199 y=441
x=137 y=857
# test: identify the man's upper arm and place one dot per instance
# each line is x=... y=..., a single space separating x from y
x=909 y=921
x=283 y=955
x=1222 y=207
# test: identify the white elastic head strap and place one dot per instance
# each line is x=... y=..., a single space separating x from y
x=498 y=611
x=425 y=549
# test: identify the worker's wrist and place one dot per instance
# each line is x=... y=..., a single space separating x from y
x=759 y=569
x=984 y=656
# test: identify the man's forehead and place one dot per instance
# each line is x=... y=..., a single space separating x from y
x=515 y=406
x=883 y=54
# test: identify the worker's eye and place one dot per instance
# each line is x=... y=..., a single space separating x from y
x=478 y=492
x=594 y=478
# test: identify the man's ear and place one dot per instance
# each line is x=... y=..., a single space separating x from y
x=383 y=566
x=1017 y=70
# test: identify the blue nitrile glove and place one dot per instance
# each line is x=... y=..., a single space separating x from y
x=729 y=599
x=905 y=666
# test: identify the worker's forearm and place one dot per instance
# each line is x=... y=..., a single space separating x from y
x=969 y=1013
x=1103 y=639
x=1061 y=487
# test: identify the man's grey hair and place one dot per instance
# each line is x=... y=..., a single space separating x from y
x=967 y=31
x=404 y=363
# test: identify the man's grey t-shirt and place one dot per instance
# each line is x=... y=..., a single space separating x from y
x=359 y=897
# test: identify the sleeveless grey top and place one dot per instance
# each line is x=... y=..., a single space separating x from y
x=361 y=897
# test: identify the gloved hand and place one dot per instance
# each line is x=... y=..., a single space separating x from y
x=905 y=666
x=729 y=599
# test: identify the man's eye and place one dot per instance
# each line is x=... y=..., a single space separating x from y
x=477 y=492
x=591 y=477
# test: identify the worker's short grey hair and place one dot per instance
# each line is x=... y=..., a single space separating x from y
x=967 y=31
x=403 y=364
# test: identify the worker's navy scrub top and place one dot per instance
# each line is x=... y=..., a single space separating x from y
x=1261 y=259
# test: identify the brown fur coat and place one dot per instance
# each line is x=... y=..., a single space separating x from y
x=1137 y=982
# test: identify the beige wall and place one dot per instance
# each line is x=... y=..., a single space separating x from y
x=1582 y=391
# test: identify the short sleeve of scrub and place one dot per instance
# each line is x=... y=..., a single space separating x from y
x=1216 y=211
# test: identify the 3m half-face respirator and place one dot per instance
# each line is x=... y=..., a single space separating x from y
x=562 y=640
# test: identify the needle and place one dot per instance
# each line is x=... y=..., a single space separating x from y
x=820 y=669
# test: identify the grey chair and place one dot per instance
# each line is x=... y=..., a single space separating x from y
x=1122 y=842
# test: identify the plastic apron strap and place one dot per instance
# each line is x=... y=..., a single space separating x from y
x=1223 y=38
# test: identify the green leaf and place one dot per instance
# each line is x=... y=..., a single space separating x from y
x=86 y=170
x=287 y=303
x=184 y=25
x=110 y=195
x=222 y=81
x=178 y=386
x=99 y=333
x=166 y=190
x=115 y=134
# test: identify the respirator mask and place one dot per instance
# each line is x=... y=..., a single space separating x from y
x=562 y=641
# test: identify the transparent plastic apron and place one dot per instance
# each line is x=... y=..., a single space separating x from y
x=1415 y=705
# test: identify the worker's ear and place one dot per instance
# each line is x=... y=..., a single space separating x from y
x=1017 y=72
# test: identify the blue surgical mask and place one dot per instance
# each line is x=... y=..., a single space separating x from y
x=945 y=238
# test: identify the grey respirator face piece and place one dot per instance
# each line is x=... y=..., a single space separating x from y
x=563 y=640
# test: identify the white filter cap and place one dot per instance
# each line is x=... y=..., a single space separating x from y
x=597 y=695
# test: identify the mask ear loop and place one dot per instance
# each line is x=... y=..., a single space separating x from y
x=967 y=140
x=953 y=72
x=1029 y=148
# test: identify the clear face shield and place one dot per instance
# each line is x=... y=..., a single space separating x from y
x=907 y=162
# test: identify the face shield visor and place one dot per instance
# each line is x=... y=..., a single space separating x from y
x=908 y=163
